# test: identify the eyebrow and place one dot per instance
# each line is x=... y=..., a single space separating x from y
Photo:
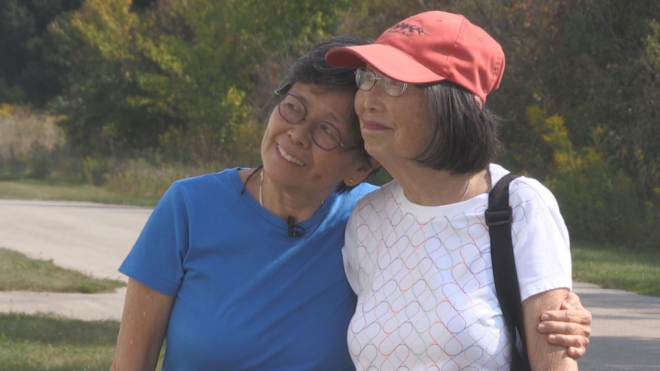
x=332 y=116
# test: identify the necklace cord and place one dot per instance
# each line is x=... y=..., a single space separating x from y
x=261 y=183
x=250 y=176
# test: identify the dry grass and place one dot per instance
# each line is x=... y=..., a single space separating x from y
x=21 y=130
x=140 y=178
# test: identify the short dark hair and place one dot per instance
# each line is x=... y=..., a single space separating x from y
x=312 y=68
x=464 y=133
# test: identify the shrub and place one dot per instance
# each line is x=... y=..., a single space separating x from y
x=29 y=142
x=599 y=202
x=148 y=179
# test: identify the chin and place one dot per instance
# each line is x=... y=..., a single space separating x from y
x=373 y=149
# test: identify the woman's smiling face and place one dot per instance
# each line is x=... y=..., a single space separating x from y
x=394 y=129
x=290 y=156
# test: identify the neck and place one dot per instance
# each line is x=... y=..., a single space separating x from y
x=281 y=201
x=427 y=187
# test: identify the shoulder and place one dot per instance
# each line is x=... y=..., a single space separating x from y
x=376 y=198
x=530 y=193
x=208 y=182
x=356 y=193
x=224 y=176
x=201 y=189
x=363 y=189
x=343 y=204
x=525 y=191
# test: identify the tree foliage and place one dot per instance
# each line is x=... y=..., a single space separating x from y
x=176 y=74
x=184 y=81
x=27 y=74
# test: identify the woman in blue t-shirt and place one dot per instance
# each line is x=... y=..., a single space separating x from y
x=242 y=269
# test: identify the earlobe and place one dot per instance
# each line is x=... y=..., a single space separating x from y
x=362 y=172
x=374 y=164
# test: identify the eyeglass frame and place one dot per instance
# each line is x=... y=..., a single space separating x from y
x=314 y=123
x=382 y=78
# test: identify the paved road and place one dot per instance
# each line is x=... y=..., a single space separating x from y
x=626 y=330
x=88 y=237
x=95 y=238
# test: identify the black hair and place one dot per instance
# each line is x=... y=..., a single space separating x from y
x=312 y=68
x=464 y=133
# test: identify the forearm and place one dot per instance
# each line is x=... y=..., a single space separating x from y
x=544 y=356
x=569 y=327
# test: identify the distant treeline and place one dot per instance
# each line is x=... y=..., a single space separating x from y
x=184 y=82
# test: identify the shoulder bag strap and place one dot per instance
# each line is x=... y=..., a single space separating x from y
x=498 y=218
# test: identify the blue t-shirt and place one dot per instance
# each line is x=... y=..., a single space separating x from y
x=247 y=295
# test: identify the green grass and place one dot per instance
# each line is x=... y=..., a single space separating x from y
x=47 y=342
x=623 y=269
x=20 y=273
x=42 y=190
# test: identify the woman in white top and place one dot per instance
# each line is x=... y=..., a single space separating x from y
x=417 y=251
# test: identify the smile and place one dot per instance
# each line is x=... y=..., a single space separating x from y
x=289 y=157
x=372 y=125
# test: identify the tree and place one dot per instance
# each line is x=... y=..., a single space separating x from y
x=187 y=64
x=27 y=74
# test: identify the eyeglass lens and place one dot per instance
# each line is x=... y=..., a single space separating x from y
x=324 y=134
x=366 y=79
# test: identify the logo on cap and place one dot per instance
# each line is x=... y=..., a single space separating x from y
x=400 y=28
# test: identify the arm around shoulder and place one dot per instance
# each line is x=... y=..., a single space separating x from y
x=142 y=330
x=544 y=356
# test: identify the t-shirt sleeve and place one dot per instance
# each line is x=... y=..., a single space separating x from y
x=156 y=259
x=540 y=238
x=349 y=253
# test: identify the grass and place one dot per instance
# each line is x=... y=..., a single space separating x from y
x=41 y=190
x=48 y=342
x=20 y=273
x=615 y=268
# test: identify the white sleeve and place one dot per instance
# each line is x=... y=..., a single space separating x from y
x=540 y=239
x=349 y=253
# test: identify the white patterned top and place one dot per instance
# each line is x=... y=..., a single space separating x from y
x=423 y=276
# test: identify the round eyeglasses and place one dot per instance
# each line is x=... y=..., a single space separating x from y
x=366 y=79
x=324 y=134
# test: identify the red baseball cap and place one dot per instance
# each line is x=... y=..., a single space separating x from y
x=431 y=47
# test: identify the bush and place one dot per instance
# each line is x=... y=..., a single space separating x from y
x=599 y=202
x=29 y=142
x=148 y=179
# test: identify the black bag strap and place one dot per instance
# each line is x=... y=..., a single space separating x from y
x=498 y=218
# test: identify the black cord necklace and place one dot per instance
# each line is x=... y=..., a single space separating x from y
x=250 y=176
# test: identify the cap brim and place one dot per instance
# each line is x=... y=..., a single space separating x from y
x=388 y=60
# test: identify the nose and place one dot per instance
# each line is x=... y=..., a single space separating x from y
x=301 y=133
x=370 y=100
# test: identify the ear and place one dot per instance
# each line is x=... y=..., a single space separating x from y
x=361 y=171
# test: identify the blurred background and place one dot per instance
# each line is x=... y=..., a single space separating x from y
x=132 y=95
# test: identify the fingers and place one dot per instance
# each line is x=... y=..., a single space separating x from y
x=577 y=345
x=579 y=316
x=569 y=327
x=572 y=301
x=564 y=328
x=576 y=353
